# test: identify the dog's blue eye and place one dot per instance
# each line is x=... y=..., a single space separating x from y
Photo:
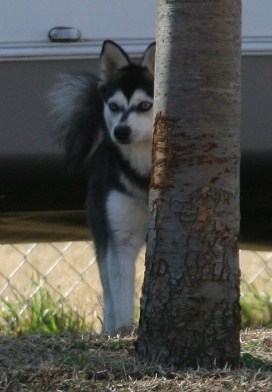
x=145 y=106
x=114 y=107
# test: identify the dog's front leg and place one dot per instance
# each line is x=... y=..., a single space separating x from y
x=127 y=223
x=121 y=268
x=108 y=306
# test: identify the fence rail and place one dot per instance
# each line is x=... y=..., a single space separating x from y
x=68 y=271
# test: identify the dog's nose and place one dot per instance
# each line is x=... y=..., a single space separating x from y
x=122 y=133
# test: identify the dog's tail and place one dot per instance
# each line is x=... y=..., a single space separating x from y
x=77 y=115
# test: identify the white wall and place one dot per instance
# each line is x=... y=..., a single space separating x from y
x=257 y=18
x=31 y=20
x=24 y=27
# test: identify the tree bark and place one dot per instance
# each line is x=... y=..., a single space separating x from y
x=190 y=314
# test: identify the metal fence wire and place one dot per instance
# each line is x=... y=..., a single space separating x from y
x=68 y=272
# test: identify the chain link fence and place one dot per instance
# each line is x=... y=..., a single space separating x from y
x=68 y=272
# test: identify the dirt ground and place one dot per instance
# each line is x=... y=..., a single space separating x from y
x=91 y=363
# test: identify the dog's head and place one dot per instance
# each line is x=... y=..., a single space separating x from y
x=127 y=91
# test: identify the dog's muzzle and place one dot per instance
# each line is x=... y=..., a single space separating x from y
x=122 y=134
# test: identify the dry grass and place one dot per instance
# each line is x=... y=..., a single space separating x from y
x=89 y=363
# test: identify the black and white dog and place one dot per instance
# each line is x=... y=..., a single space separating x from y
x=111 y=120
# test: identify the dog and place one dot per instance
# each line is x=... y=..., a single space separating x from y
x=110 y=120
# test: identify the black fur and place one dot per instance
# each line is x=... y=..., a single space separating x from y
x=104 y=177
x=79 y=120
x=128 y=79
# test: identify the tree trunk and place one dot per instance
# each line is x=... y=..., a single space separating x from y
x=190 y=314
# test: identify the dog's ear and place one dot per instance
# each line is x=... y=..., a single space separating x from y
x=148 y=59
x=112 y=58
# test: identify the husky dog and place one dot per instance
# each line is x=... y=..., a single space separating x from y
x=111 y=120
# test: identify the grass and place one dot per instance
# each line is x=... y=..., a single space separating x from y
x=47 y=348
x=41 y=313
x=256 y=308
x=82 y=362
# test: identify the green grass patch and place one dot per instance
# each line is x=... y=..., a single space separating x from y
x=39 y=314
x=42 y=313
x=256 y=308
x=251 y=361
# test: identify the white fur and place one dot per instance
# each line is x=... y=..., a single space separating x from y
x=113 y=119
x=126 y=212
x=138 y=150
x=141 y=124
x=128 y=219
x=139 y=155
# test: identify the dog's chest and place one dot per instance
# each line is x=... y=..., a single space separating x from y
x=128 y=216
x=139 y=156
